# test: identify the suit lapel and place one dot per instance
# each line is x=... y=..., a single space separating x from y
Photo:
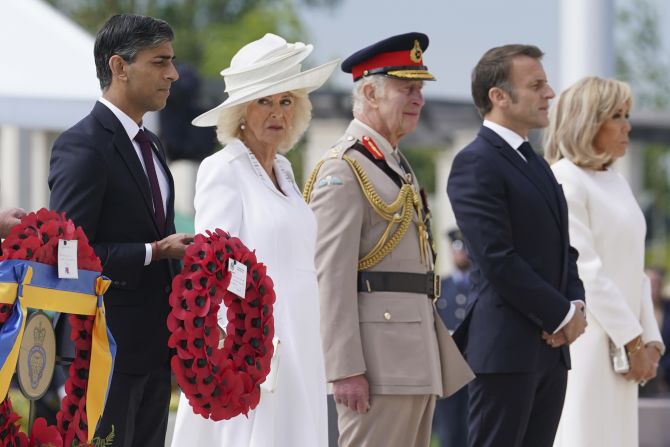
x=510 y=154
x=160 y=154
x=127 y=153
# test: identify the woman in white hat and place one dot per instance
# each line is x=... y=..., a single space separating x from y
x=249 y=190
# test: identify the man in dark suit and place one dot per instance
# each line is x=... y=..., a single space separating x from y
x=513 y=216
x=108 y=174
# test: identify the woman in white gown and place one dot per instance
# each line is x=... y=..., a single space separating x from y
x=249 y=190
x=588 y=131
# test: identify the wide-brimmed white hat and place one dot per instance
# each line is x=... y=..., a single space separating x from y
x=265 y=67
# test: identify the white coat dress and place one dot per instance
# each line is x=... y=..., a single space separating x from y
x=234 y=193
x=608 y=229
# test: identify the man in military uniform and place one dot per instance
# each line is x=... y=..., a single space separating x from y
x=385 y=347
x=450 y=423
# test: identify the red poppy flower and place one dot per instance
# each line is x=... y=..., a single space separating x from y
x=220 y=383
x=173 y=322
x=179 y=340
x=79 y=421
x=43 y=434
x=197 y=302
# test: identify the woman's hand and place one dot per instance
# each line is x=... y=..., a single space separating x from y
x=640 y=362
x=654 y=356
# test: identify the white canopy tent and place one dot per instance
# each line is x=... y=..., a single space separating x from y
x=47 y=84
x=49 y=81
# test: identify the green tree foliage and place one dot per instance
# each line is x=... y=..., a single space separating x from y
x=208 y=32
x=641 y=59
x=423 y=161
x=656 y=203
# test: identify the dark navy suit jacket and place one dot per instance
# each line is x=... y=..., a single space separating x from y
x=524 y=269
x=97 y=179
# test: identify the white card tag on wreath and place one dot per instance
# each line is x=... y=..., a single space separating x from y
x=238 y=278
x=67 y=259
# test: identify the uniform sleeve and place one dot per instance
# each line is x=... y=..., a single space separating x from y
x=78 y=181
x=217 y=200
x=477 y=192
x=339 y=208
x=605 y=302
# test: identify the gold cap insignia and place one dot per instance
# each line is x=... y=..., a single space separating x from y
x=415 y=53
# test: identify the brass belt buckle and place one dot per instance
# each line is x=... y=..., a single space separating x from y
x=436 y=287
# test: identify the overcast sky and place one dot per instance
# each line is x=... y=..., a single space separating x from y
x=460 y=31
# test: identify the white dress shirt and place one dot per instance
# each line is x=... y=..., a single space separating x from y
x=132 y=128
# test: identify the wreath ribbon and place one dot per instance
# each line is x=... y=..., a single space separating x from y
x=26 y=284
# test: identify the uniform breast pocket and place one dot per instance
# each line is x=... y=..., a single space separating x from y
x=393 y=334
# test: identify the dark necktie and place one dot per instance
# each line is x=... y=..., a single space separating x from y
x=535 y=166
x=145 y=148
x=527 y=151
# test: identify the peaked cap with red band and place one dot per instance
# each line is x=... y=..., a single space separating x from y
x=398 y=57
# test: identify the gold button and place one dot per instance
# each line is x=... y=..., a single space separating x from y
x=387 y=316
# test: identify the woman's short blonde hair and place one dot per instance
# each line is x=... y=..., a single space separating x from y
x=576 y=118
x=230 y=119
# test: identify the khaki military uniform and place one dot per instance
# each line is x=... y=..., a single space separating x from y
x=394 y=338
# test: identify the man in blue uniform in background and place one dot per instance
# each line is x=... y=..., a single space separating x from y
x=450 y=422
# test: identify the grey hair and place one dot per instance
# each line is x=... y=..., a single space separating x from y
x=357 y=96
x=230 y=119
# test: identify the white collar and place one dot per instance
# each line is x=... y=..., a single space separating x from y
x=282 y=169
x=382 y=142
x=130 y=126
x=512 y=138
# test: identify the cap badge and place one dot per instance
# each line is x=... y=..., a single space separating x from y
x=415 y=53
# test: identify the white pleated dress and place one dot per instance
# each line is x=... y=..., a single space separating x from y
x=608 y=229
x=235 y=194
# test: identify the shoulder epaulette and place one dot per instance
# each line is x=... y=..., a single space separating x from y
x=341 y=146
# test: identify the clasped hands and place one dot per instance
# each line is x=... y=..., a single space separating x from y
x=571 y=331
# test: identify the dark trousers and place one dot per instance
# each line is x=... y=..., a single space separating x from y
x=137 y=409
x=333 y=431
x=450 y=422
x=516 y=410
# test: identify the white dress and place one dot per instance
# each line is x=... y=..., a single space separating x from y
x=608 y=229
x=234 y=193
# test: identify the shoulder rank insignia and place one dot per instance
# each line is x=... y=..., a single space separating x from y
x=344 y=143
x=329 y=180
x=335 y=152
x=371 y=146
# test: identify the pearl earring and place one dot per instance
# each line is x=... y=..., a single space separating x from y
x=242 y=126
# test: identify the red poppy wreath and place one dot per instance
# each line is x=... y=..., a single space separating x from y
x=221 y=383
x=36 y=239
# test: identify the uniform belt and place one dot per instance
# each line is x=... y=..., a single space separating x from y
x=424 y=283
